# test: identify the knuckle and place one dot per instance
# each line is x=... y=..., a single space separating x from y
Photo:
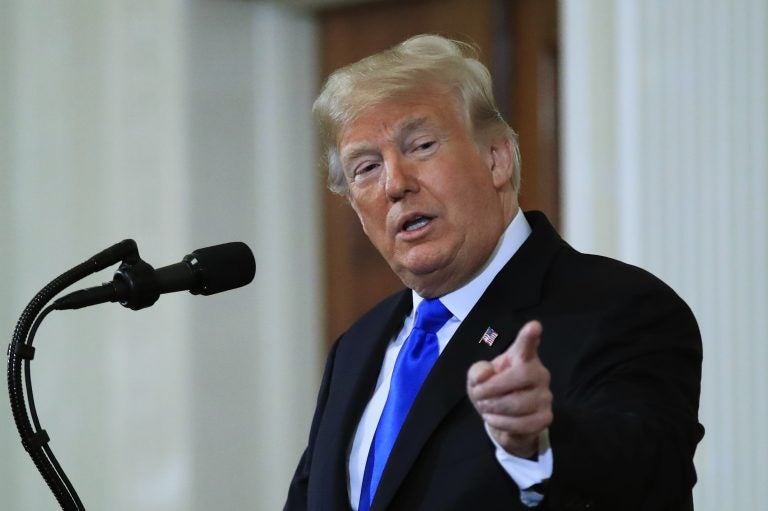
x=514 y=408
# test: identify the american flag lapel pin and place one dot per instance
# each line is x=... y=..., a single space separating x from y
x=488 y=337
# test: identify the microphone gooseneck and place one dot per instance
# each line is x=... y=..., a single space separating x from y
x=136 y=285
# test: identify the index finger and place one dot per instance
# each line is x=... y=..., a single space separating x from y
x=526 y=345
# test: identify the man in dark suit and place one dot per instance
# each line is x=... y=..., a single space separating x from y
x=551 y=380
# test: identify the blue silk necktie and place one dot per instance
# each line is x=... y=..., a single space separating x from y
x=417 y=356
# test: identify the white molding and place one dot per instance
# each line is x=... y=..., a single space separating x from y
x=680 y=163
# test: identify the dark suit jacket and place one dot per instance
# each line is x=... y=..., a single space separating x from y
x=624 y=353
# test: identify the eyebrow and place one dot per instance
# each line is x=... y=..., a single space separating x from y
x=357 y=151
x=401 y=131
x=411 y=125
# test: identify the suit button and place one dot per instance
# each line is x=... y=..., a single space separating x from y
x=579 y=502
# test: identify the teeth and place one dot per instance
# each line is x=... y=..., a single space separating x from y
x=416 y=224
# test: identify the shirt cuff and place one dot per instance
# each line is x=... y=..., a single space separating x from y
x=524 y=472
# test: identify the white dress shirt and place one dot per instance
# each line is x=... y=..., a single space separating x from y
x=525 y=473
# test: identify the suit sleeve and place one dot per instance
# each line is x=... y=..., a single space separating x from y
x=297 y=491
x=625 y=434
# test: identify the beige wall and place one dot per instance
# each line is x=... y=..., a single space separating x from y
x=181 y=125
x=665 y=133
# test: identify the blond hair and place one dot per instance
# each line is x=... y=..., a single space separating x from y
x=423 y=61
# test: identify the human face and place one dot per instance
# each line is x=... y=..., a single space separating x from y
x=431 y=200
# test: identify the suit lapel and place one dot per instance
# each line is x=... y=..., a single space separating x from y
x=356 y=369
x=502 y=307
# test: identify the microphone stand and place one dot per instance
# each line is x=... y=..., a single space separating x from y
x=21 y=352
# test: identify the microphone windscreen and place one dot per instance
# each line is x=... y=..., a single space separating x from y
x=222 y=267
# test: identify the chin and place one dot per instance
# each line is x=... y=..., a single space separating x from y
x=427 y=281
x=422 y=268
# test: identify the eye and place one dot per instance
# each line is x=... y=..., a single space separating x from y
x=424 y=146
x=365 y=167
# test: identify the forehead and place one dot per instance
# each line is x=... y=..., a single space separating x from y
x=390 y=120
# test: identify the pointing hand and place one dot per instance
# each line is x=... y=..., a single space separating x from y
x=511 y=393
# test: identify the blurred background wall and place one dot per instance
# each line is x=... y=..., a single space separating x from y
x=183 y=124
x=665 y=165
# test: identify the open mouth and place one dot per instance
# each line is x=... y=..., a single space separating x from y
x=416 y=223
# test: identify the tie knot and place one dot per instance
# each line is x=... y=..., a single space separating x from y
x=432 y=315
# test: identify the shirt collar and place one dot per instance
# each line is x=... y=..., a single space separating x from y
x=461 y=301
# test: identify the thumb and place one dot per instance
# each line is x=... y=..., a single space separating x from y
x=479 y=372
x=526 y=345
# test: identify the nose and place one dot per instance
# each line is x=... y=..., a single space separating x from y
x=399 y=178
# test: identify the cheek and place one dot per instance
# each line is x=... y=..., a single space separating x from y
x=360 y=212
x=371 y=220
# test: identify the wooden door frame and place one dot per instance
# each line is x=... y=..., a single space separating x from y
x=518 y=43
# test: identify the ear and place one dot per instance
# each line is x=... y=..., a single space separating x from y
x=500 y=162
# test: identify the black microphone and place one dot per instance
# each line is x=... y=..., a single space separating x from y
x=137 y=285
